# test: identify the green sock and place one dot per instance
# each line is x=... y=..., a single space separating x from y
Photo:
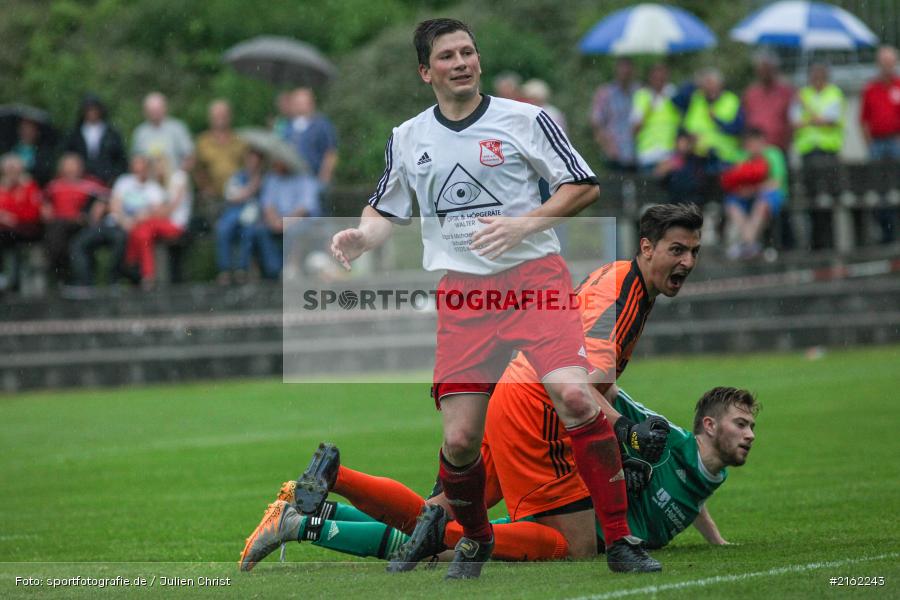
x=369 y=538
x=346 y=512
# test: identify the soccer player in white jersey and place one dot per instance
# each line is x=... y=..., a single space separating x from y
x=473 y=162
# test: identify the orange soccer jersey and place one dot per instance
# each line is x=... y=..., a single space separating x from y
x=528 y=444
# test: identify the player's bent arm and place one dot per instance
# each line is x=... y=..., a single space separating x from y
x=569 y=200
x=708 y=529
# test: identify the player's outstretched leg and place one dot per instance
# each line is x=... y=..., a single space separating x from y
x=280 y=523
x=469 y=558
x=626 y=555
x=427 y=540
x=313 y=485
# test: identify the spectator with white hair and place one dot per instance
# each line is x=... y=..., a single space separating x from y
x=162 y=135
x=537 y=92
x=507 y=84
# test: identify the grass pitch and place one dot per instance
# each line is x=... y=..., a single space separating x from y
x=167 y=481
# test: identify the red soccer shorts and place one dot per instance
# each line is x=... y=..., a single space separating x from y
x=483 y=319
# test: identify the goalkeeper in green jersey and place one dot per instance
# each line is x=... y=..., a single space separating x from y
x=665 y=497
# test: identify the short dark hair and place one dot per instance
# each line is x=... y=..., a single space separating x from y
x=754 y=132
x=660 y=218
x=423 y=39
x=718 y=400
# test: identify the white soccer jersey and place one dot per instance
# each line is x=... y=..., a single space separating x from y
x=488 y=164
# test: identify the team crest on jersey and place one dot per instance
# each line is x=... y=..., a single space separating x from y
x=491 y=152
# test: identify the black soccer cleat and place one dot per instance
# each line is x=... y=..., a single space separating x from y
x=427 y=540
x=469 y=559
x=317 y=480
x=626 y=555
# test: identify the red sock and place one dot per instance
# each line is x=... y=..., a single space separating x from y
x=381 y=498
x=519 y=541
x=464 y=490
x=597 y=457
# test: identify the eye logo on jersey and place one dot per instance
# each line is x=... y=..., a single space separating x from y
x=462 y=192
x=491 y=152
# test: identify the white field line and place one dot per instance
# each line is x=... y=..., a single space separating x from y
x=655 y=589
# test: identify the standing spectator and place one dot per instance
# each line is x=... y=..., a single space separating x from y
x=818 y=115
x=97 y=142
x=767 y=101
x=755 y=191
x=133 y=196
x=537 y=92
x=161 y=135
x=880 y=117
x=284 y=194
x=507 y=84
x=880 y=114
x=241 y=212
x=818 y=118
x=683 y=174
x=35 y=146
x=655 y=119
x=714 y=115
x=610 y=116
x=219 y=152
x=159 y=221
x=313 y=135
x=65 y=212
x=20 y=211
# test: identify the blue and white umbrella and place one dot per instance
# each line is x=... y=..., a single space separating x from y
x=648 y=29
x=804 y=25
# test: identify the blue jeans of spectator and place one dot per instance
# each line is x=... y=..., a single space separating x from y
x=886 y=149
x=228 y=230
x=268 y=245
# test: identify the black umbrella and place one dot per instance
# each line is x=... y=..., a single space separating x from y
x=281 y=61
x=12 y=114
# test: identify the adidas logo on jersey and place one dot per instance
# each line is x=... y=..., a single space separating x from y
x=424 y=159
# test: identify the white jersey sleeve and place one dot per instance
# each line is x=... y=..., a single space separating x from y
x=553 y=157
x=393 y=196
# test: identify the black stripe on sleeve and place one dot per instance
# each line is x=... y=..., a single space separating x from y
x=561 y=145
x=389 y=163
x=566 y=146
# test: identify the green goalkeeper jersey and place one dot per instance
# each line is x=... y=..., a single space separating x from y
x=679 y=485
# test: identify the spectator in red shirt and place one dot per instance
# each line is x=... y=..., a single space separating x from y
x=767 y=102
x=20 y=209
x=880 y=114
x=67 y=200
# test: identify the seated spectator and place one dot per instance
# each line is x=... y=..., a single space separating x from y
x=36 y=148
x=241 y=212
x=755 y=189
x=20 y=212
x=684 y=174
x=219 y=152
x=164 y=221
x=134 y=196
x=284 y=195
x=68 y=199
x=655 y=119
x=97 y=142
